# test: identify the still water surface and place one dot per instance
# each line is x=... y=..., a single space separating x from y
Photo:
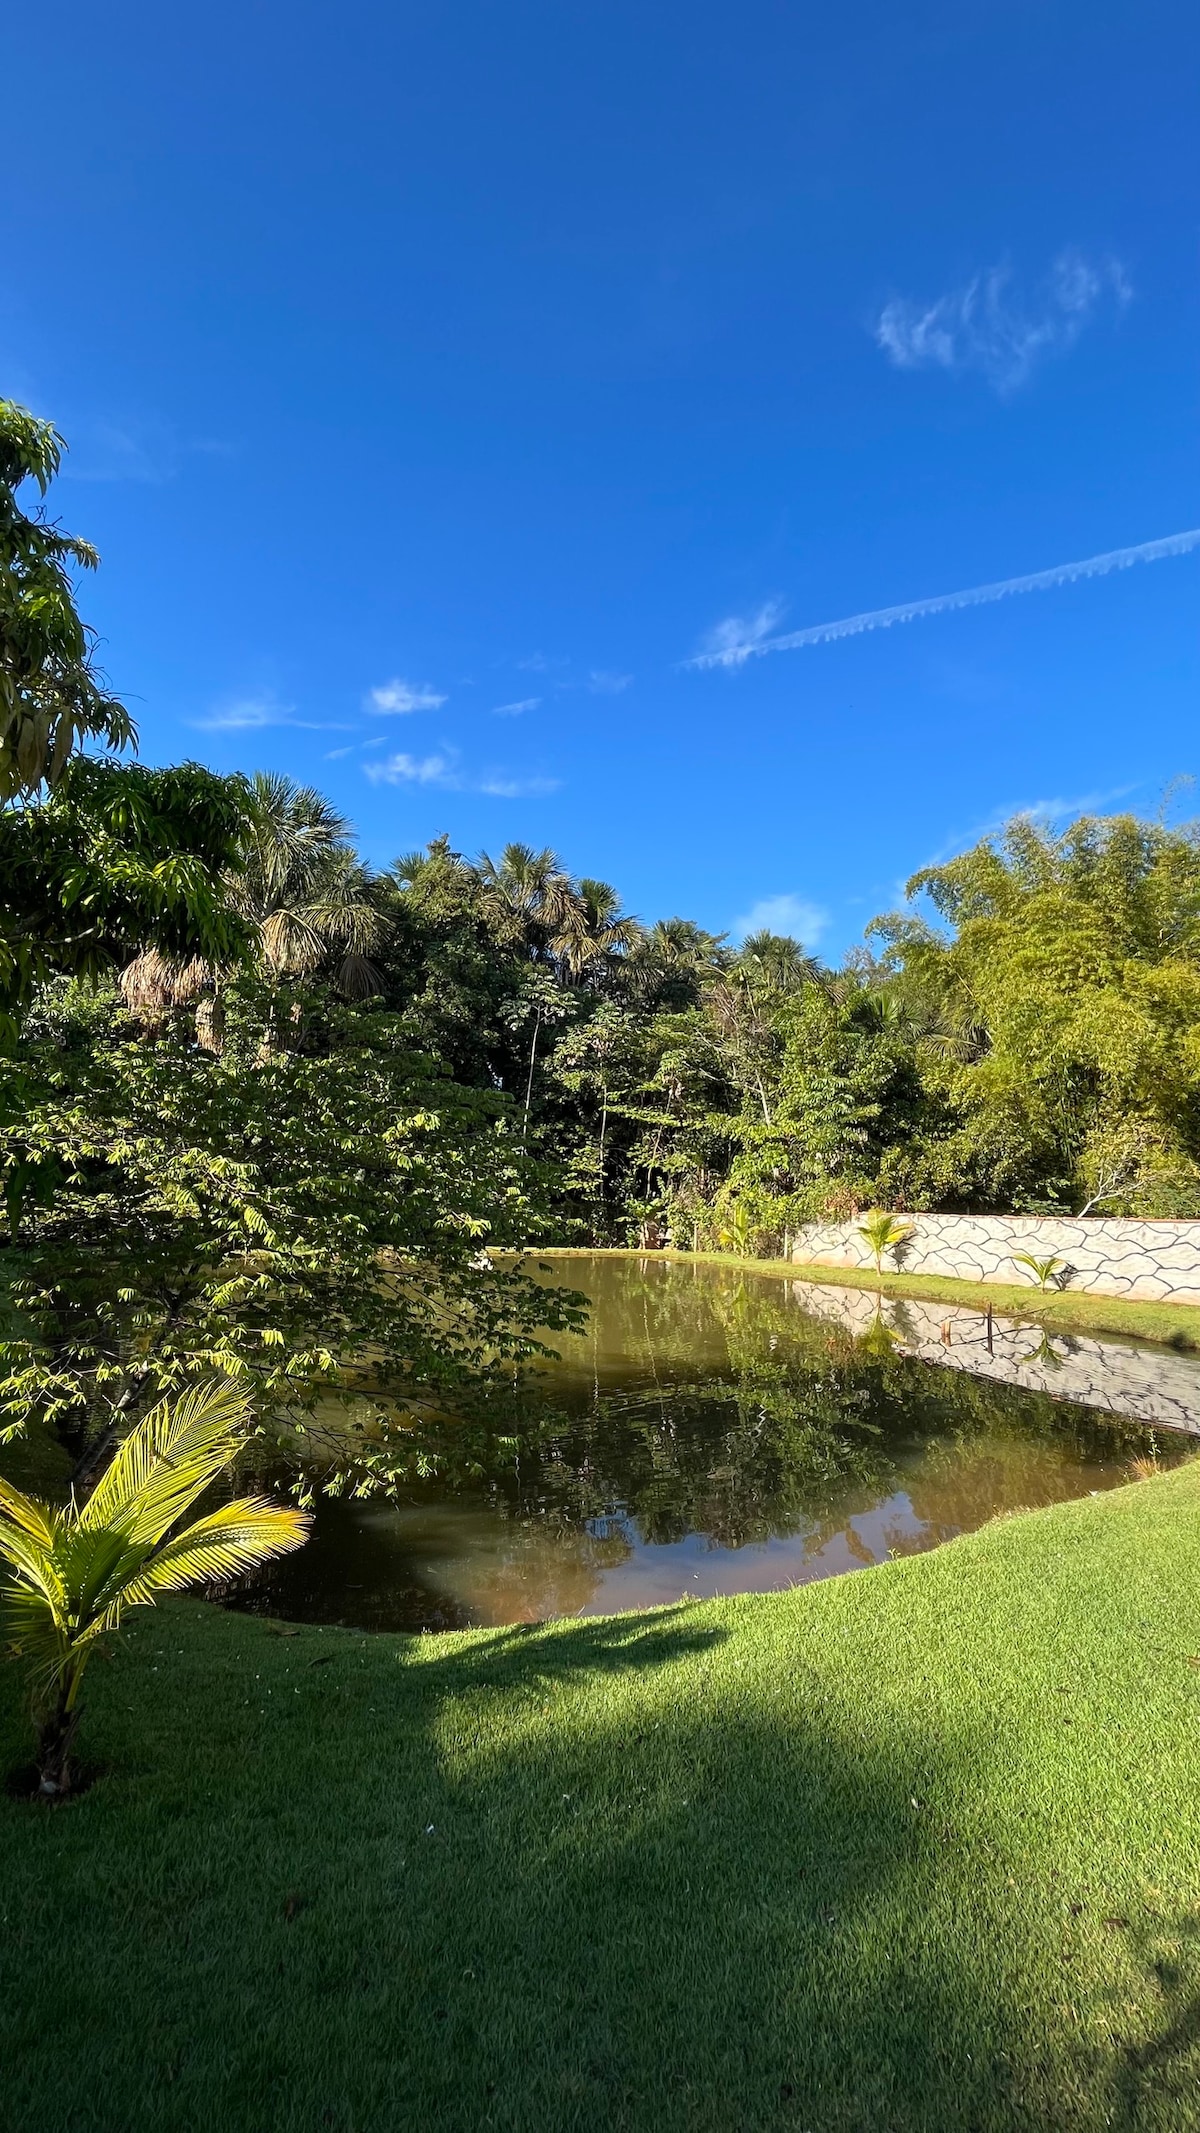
x=704 y=1436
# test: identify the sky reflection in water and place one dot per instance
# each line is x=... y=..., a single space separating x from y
x=705 y=1436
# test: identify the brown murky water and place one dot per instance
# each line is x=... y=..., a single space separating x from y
x=705 y=1436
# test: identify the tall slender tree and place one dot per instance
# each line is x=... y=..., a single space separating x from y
x=52 y=695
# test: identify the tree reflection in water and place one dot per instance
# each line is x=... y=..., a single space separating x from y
x=704 y=1435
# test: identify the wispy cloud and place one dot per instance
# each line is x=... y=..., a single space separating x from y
x=735 y=639
x=793 y=915
x=1059 y=808
x=523 y=703
x=601 y=682
x=142 y=450
x=498 y=787
x=249 y=714
x=443 y=771
x=725 y=647
x=987 y=326
x=397 y=697
x=541 y=663
x=414 y=770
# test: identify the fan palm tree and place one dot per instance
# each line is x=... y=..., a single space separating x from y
x=528 y=896
x=302 y=889
x=71 y=1571
x=670 y=961
x=305 y=897
x=594 y=935
x=774 y=963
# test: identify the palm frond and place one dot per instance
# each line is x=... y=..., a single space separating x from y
x=30 y=1558
x=27 y=1513
x=32 y=1631
x=291 y=943
x=235 y=1538
x=168 y=1460
x=357 y=977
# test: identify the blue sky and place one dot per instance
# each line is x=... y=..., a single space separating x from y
x=441 y=380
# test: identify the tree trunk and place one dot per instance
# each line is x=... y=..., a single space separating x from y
x=600 y=1173
x=210 y=1025
x=537 y=1023
x=56 y=1736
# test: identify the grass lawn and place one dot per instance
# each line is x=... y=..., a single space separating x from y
x=918 y=1848
x=1060 y=1310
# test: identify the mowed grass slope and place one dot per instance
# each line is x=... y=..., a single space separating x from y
x=919 y=1848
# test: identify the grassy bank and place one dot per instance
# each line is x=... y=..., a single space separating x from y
x=912 y=1849
x=1171 y=1325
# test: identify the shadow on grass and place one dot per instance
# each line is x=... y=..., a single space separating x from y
x=1159 y=2078
x=600 y=1877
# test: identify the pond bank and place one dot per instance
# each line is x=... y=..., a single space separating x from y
x=917 y=1849
x=1169 y=1325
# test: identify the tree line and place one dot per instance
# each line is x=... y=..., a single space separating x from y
x=269 y=1113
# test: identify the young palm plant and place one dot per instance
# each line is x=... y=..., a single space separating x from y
x=1043 y=1270
x=71 y=1571
x=883 y=1233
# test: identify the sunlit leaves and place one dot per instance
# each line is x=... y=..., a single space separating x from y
x=51 y=697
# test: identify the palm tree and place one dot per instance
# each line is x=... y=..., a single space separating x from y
x=306 y=899
x=669 y=963
x=774 y=963
x=882 y=1233
x=72 y=1571
x=301 y=889
x=594 y=936
x=528 y=897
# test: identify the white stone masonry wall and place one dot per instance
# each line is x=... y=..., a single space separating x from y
x=1158 y=1262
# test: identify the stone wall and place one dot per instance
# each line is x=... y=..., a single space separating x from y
x=1158 y=1262
x=1161 y=1390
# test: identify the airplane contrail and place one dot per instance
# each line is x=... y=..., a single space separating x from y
x=733 y=650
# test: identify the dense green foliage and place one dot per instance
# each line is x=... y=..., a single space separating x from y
x=115 y=854
x=304 y=1209
x=51 y=697
x=916 y=1849
x=1032 y=1046
x=293 y=1161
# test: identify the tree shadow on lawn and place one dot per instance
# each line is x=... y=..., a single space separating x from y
x=1158 y=2080
x=576 y=1879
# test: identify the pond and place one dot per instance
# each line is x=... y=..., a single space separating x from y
x=718 y=1432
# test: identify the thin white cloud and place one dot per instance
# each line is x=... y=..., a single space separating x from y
x=398 y=697
x=988 y=327
x=788 y=914
x=725 y=648
x=498 y=787
x=414 y=770
x=250 y=714
x=541 y=663
x=732 y=641
x=601 y=682
x=523 y=703
x=443 y=772
x=1059 y=808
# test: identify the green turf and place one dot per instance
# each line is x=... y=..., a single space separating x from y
x=1061 y=1310
x=917 y=1848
